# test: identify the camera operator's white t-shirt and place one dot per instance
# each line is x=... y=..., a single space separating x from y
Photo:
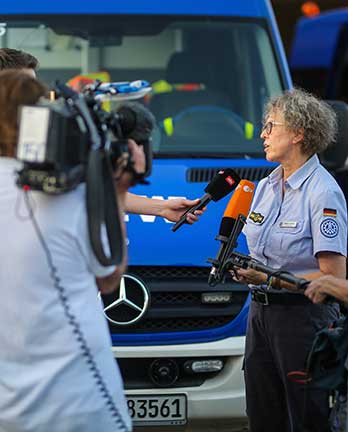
x=47 y=381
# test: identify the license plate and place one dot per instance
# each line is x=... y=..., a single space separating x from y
x=146 y=410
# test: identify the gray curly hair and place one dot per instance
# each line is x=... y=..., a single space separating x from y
x=302 y=110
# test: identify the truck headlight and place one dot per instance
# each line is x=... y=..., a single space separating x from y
x=216 y=297
x=204 y=366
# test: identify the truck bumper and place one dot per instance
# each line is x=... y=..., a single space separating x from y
x=220 y=398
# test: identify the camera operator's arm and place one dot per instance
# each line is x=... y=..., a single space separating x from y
x=171 y=209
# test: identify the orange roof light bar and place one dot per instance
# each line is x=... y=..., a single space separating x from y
x=310 y=9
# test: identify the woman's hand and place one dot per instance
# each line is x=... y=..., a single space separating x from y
x=249 y=276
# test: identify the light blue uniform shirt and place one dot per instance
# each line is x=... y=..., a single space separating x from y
x=288 y=231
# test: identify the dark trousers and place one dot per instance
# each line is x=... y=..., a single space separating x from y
x=278 y=340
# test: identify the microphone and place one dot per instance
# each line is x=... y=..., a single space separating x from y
x=222 y=184
x=239 y=204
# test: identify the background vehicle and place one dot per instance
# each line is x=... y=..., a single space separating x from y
x=212 y=66
x=319 y=54
x=319 y=63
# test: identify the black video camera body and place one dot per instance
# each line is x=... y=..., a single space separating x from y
x=56 y=137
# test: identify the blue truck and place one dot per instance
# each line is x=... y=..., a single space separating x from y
x=319 y=54
x=212 y=66
x=318 y=62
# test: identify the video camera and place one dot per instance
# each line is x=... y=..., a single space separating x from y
x=56 y=137
x=72 y=139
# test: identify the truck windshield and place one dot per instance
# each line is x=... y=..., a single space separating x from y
x=210 y=77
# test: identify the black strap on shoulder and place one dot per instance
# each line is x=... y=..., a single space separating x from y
x=102 y=209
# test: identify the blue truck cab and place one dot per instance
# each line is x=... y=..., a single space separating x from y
x=319 y=63
x=212 y=65
x=319 y=54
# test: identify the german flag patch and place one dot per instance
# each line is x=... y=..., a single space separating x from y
x=329 y=212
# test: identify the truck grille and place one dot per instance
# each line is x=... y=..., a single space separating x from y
x=176 y=301
x=205 y=175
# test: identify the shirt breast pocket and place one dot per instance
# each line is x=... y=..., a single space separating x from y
x=293 y=238
x=253 y=232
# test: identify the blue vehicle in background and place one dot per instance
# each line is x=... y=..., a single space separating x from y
x=319 y=54
x=212 y=66
x=319 y=63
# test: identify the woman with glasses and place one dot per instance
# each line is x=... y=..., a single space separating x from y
x=298 y=223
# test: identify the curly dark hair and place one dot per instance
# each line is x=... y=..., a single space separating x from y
x=17 y=88
x=16 y=59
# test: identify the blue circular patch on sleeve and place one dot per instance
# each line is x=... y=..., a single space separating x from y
x=329 y=228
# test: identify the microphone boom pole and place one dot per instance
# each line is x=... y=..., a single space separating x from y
x=217 y=273
x=238 y=260
x=231 y=226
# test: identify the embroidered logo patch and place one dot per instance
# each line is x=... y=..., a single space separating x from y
x=256 y=217
x=329 y=228
x=329 y=212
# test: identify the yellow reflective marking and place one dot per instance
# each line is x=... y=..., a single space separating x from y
x=161 y=86
x=168 y=126
x=249 y=130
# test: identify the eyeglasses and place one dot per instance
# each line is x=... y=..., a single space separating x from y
x=268 y=127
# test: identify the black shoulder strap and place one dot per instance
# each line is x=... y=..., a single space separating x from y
x=102 y=209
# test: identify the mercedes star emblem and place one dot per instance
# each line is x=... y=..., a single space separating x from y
x=127 y=305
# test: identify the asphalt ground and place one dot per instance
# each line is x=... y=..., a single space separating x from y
x=197 y=428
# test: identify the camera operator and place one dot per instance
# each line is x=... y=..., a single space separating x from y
x=58 y=373
x=170 y=209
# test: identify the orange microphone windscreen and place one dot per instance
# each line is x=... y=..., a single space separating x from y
x=239 y=203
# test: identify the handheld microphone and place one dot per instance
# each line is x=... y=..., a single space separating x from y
x=222 y=184
x=239 y=204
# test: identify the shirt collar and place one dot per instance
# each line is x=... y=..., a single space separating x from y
x=276 y=175
x=296 y=179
